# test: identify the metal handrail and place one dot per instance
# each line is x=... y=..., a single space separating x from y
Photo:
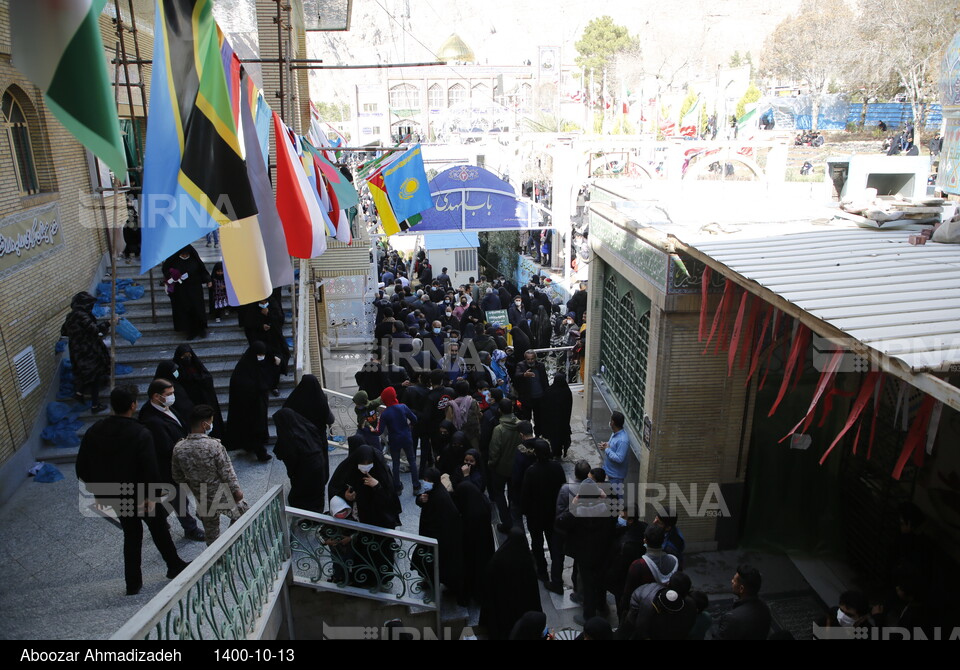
x=189 y=606
x=303 y=345
x=385 y=556
x=553 y=354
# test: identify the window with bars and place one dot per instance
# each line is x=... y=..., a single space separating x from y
x=435 y=97
x=465 y=260
x=624 y=343
x=405 y=96
x=456 y=94
x=18 y=135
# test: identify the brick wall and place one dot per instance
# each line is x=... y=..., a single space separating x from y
x=35 y=299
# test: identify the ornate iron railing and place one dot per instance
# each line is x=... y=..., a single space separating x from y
x=227 y=592
x=345 y=418
x=357 y=559
x=560 y=359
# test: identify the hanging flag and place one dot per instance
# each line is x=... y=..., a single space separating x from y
x=406 y=184
x=690 y=124
x=749 y=117
x=384 y=210
x=195 y=178
x=346 y=193
x=272 y=240
x=58 y=46
x=304 y=222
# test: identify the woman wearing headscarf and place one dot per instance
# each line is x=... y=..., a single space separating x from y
x=471 y=469
x=440 y=519
x=198 y=382
x=450 y=460
x=478 y=547
x=170 y=371
x=557 y=406
x=511 y=588
x=264 y=321
x=184 y=277
x=89 y=357
x=218 y=292
x=396 y=419
x=498 y=363
x=250 y=386
x=303 y=451
x=309 y=401
x=464 y=412
x=364 y=471
x=471 y=315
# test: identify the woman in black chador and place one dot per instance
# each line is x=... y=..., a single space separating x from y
x=88 y=354
x=198 y=382
x=250 y=386
x=184 y=277
x=440 y=519
x=511 y=586
x=309 y=401
x=558 y=407
x=364 y=471
x=303 y=450
x=264 y=321
x=474 y=510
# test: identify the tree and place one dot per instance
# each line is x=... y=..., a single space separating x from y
x=810 y=46
x=602 y=41
x=333 y=111
x=735 y=60
x=752 y=94
x=907 y=38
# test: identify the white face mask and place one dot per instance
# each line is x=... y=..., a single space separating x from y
x=176 y=373
x=449 y=313
x=209 y=429
x=844 y=619
x=169 y=400
x=261 y=358
x=365 y=469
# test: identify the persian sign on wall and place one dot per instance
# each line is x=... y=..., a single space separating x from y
x=29 y=236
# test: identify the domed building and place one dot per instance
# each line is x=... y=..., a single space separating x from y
x=455 y=50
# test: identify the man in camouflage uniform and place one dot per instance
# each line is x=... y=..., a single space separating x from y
x=202 y=464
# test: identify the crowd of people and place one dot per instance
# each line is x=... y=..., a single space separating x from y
x=467 y=404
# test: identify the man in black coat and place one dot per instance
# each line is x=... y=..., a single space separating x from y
x=531 y=384
x=118 y=451
x=542 y=482
x=168 y=428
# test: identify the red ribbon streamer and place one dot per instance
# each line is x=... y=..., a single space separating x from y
x=865 y=390
x=747 y=336
x=799 y=349
x=704 y=294
x=825 y=378
x=727 y=292
x=916 y=437
x=737 y=329
x=767 y=313
x=723 y=333
x=876 y=411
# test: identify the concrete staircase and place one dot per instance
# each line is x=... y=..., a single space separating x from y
x=219 y=351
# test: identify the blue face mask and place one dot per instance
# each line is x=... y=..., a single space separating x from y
x=436 y=331
x=426 y=487
x=621 y=522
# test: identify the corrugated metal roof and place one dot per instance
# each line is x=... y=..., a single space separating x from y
x=899 y=299
x=457 y=240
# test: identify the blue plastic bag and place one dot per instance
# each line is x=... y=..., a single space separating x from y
x=134 y=291
x=128 y=331
x=60 y=347
x=122 y=369
x=57 y=411
x=48 y=474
